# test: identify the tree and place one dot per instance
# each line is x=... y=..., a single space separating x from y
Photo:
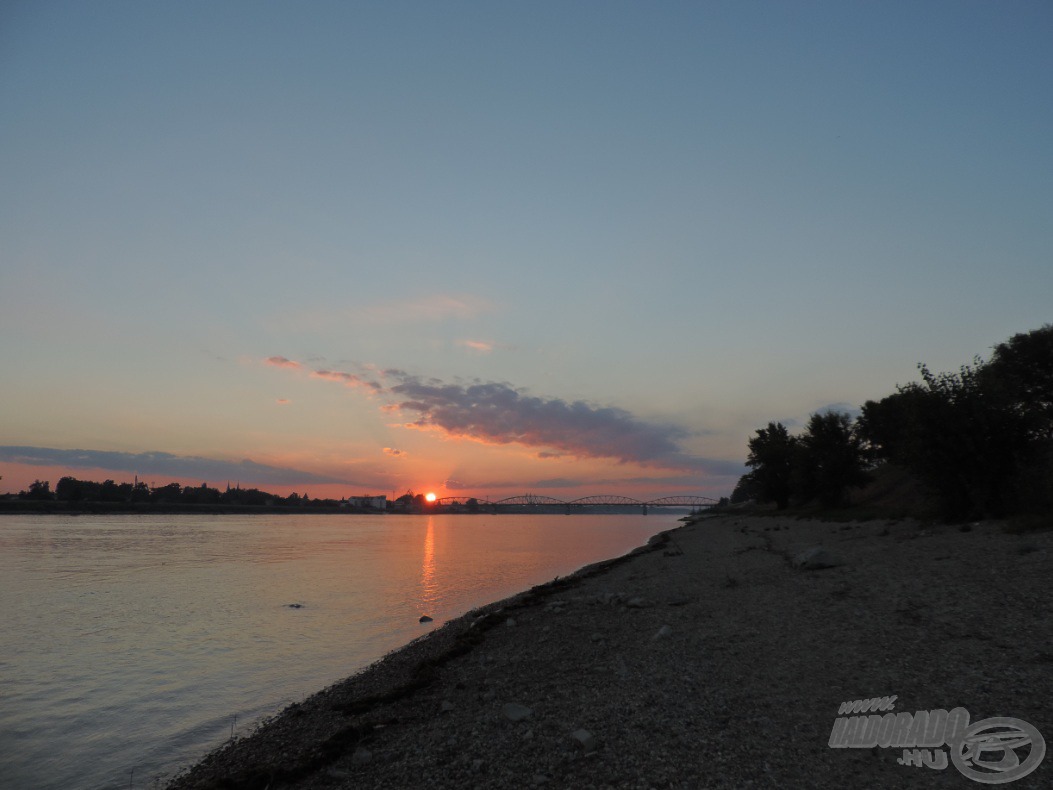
x=830 y=459
x=169 y=493
x=1023 y=366
x=69 y=489
x=109 y=491
x=744 y=490
x=888 y=428
x=771 y=458
x=965 y=435
x=38 y=489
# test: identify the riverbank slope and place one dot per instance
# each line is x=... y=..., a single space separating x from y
x=703 y=660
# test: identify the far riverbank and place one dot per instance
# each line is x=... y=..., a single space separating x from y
x=45 y=507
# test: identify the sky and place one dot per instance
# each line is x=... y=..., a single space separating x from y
x=494 y=248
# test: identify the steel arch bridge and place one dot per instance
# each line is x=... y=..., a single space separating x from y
x=536 y=501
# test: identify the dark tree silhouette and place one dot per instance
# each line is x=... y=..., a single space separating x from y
x=830 y=459
x=771 y=458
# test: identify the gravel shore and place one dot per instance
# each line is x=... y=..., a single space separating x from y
x=706 y=659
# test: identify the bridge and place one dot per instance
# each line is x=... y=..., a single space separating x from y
x=535 y=503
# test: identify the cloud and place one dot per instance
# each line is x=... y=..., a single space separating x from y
x=282 y=362
x=347 y=379
x=283 y=401
x=395 y=452
x=481 y=346
x=499 y=414
x=163 y=464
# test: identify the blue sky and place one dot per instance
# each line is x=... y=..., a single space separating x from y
x=604 y=242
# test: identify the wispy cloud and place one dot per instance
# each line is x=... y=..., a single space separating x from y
x=347 y=379
x=164 y=464
x=498 y=413
x=480 y=346
x=283 y=401
x=282 y=362
x=395 y=452
x=429 y=308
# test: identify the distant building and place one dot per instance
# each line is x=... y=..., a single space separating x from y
x=368 y=502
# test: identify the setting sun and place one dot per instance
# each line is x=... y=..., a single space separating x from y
x=430 y=497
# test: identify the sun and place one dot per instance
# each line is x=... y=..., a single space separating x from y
x=430 y=497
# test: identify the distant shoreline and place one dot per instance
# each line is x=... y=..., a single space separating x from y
x=51 y=508
x=24 y=508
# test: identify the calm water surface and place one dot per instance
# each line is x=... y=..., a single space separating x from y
x=131 y=645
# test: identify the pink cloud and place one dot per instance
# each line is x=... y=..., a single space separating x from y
x=282 y=362
x=394 y=452
x=283 y=401
x=477 y=345
x=347 y=379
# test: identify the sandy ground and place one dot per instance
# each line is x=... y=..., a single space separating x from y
x=703 y=660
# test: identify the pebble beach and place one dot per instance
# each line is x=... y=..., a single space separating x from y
x=717 y=656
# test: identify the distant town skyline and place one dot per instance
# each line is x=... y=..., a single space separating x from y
x=558 y=248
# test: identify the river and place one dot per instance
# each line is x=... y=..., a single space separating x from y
x=132 y=645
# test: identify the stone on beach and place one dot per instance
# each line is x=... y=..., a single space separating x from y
x=816 y=558
x=586 y=739
x=662 y=633
x=515 y=712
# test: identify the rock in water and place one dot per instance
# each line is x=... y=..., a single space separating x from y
x=425 y=619
x=816 y=558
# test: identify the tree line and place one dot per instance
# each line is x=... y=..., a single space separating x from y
x=72 y=490
x=979 y=440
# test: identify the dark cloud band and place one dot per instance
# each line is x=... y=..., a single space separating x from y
x=163 y=464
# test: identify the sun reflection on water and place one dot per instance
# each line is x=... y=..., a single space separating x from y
x=428 y=591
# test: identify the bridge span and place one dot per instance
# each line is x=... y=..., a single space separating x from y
x=534 y=503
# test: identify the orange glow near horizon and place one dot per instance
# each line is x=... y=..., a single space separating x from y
x=430 y=497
